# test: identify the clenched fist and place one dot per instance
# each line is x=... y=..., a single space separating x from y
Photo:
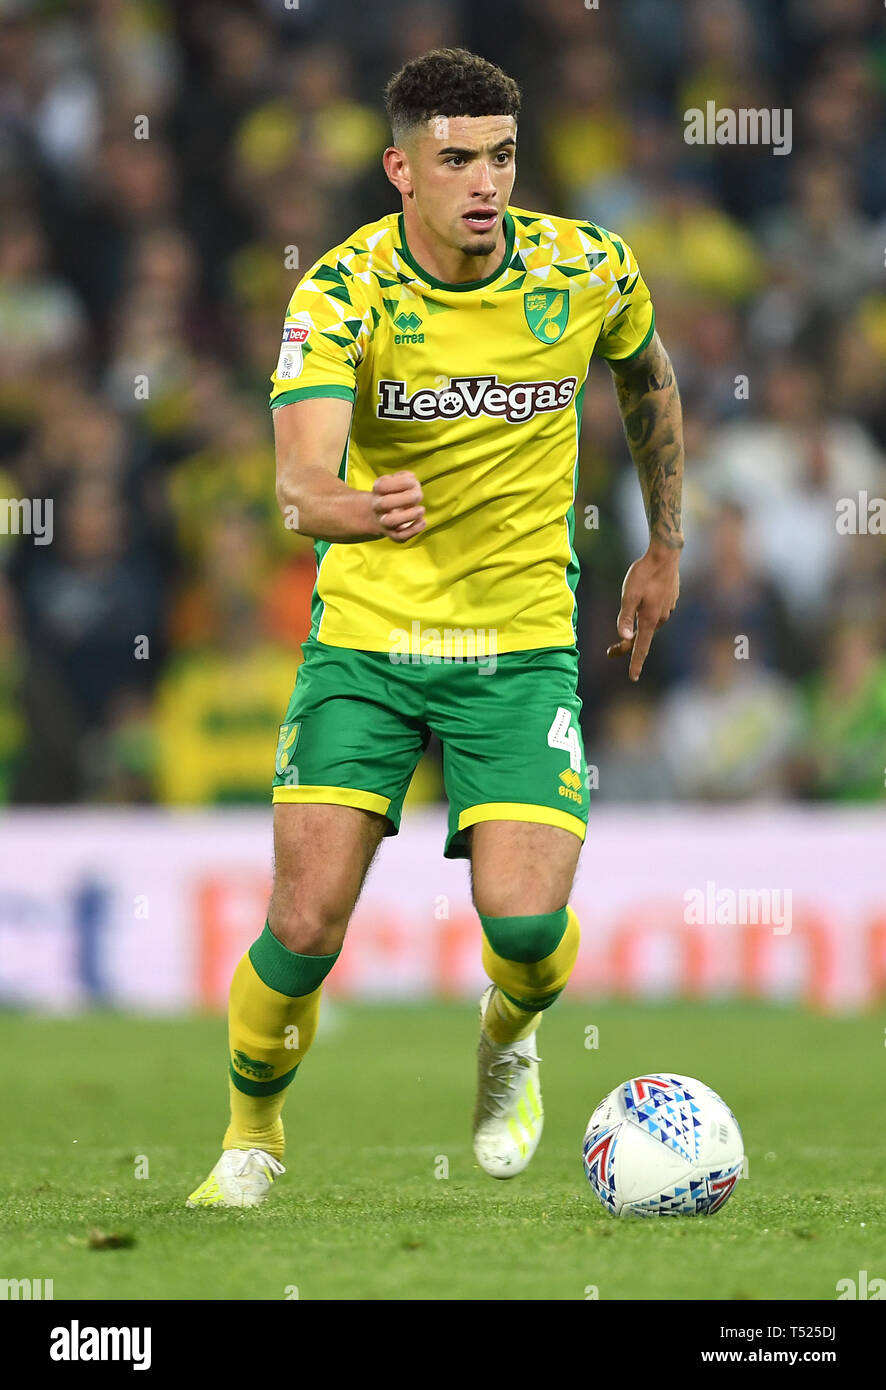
x=396 y=506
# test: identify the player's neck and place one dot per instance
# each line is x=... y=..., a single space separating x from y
x=447 y=263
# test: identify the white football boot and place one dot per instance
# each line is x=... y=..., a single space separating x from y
x=241 y=1178
x=508 y=1116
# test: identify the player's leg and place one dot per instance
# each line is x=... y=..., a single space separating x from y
x=322 y=854
x=345 y=755
x=517 y=785
x=522 y=876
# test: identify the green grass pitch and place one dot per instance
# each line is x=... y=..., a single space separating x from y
x=384 y=1097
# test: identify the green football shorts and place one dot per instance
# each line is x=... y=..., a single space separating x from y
x=358 y=723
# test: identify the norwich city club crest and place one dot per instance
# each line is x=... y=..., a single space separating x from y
x=285 y=747
x=546 y=313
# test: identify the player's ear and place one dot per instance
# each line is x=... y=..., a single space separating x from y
x=396 y=166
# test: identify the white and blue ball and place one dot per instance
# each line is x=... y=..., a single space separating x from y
x=663 y=1145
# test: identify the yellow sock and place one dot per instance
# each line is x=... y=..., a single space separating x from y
x=254 y=1124
x=525 y=988
x=506 y=1022
x=272 y=1020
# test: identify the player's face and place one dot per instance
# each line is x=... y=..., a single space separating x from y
x=461 y=169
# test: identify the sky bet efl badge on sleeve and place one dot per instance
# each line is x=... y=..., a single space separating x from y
x=291 y=359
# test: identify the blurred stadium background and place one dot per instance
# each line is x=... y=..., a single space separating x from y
x=147 y=654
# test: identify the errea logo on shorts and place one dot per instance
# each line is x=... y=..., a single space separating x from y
x=473 y=396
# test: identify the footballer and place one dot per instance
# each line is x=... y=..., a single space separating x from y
x=427 y=402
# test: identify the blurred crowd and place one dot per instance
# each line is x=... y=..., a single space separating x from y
x=167 y=172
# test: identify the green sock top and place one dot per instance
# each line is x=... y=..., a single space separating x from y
x=286 y=971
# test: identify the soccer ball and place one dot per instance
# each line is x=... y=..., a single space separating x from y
x=663 y=1145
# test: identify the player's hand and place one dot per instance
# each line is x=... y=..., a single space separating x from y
x=396 y=506
x=648 y=598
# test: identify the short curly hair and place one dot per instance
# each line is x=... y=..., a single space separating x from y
x=448 y=82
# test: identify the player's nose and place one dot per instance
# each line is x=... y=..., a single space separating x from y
x=484 y=184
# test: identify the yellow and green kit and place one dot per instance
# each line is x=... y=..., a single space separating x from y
x=468 y=629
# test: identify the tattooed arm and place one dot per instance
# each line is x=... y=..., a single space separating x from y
x=650 y=408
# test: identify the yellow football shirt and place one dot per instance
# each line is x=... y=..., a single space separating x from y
x=476 y=389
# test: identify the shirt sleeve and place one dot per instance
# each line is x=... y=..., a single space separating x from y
x=629 y=316
x=325 y=334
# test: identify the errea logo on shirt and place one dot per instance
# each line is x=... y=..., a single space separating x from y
x=408 y=324
x=473 y=396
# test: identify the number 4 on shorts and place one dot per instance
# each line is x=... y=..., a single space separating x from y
x=561 y=734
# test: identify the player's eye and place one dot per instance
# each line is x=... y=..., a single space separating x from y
x=503 y=156
x=455 y=159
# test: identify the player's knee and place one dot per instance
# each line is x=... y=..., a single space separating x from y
x=531 y=958
x=303 y=928
x=526 y=939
